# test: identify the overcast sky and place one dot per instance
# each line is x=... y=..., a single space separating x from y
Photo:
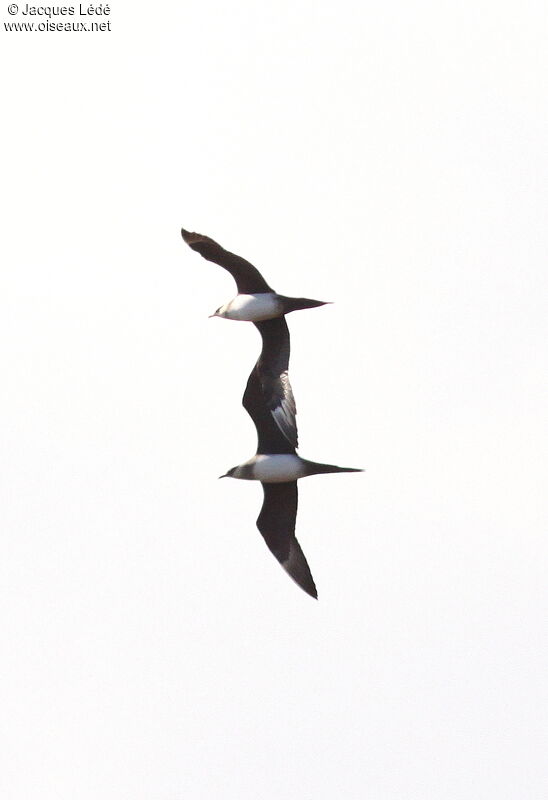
x=391 y=158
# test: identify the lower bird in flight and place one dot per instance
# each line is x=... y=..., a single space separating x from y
x=278 y=467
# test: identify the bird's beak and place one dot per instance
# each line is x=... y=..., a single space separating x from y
x=222 y=476
x=212 y=315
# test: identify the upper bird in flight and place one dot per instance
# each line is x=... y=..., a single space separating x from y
x=256 y=300
x=258 y=303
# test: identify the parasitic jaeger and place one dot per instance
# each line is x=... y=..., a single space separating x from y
x=268 y=399
x=256 y=300
x=258 y=303
x=278 y=467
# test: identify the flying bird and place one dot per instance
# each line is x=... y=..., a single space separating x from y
x=256 y=300
x=278 y=467
x=268 y=399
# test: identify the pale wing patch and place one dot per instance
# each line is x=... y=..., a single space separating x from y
x=284 y=409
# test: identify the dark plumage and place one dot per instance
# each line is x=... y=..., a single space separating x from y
x=276 y=523
x=248 y=278
x=271 y=370
x=278 y=516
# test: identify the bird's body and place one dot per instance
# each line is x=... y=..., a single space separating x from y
x=281 y=468
x=261 y=306
x=252 y=307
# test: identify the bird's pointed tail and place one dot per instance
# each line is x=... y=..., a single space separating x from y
x=319 y=469
x=298 y=303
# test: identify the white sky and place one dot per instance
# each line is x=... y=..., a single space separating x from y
x=391 y=158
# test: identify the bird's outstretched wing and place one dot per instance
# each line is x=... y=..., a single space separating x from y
x=270 y=439
x=276 y=522
x=248 y=278
x=269 y=392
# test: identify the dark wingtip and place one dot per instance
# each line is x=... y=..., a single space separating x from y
x=308 y=586
x=189 y=237
x=297 y=568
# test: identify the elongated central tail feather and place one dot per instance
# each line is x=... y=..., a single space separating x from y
x=298 y=303
x=318 y=469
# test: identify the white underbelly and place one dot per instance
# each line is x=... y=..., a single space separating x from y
x=278 y=468
x=254 y=307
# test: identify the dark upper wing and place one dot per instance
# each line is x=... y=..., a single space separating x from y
x=271 y=440
x=268 y=397
x=276 y=523
x=248 y=278
x=271 y=369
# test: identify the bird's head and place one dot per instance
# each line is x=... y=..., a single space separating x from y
x=220 y=312
x=230 y=474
